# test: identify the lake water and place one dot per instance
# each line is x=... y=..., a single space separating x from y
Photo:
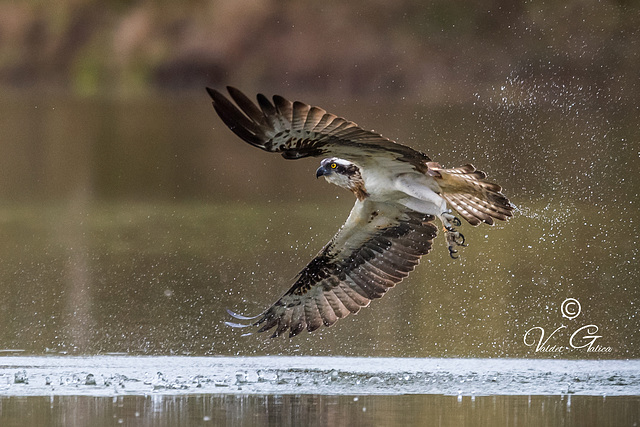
x=295 y=410
x=129 y=226
x=175 y=391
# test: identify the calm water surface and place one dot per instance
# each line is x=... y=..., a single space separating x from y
x=295 y=410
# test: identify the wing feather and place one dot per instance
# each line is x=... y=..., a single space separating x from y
x=371 y=291
x=314 y=116
x=250 y=109
x=300 y=112
x=269 y=110
x=269 y=322
x=298 y=322
x=326 y=311
x=312 y=314
x=284 y=323
x=323 y=124
x=355 y=292
x=284 y=107
x=352 y=305
x=297 y=130
x=361 y=263
x=240 y=124
x=335 y=125
x=378 y=274
x=338 y=307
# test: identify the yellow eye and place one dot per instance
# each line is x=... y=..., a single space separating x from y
x=333 y=166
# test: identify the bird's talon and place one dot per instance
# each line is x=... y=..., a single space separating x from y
x=454 y=239
x=449 y=220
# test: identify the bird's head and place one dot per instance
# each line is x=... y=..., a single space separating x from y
x=344 y=174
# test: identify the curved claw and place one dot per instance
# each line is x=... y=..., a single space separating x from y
x=463 y=240
x=452 y=252
x=449 y=220
x=240 y=316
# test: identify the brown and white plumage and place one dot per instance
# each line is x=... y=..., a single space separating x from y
x=378 y=246
x=297 y=130
x=475 y=199
x=399 y=193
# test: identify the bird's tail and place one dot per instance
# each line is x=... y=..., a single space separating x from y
x=470 y=194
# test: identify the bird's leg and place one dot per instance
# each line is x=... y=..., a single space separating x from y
x=454 y=237
x=449 y=220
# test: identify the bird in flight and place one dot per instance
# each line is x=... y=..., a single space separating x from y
x=399 y=194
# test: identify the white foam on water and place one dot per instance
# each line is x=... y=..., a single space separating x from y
x=132 y=375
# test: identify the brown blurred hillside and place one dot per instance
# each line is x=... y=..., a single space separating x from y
x=441 y=49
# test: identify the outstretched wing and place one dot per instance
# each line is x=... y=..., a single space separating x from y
x=378 y=246
x=298 y=130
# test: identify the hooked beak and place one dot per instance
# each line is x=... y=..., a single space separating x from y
x=321 y=171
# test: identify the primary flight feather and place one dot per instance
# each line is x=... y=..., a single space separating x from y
x=399 y=193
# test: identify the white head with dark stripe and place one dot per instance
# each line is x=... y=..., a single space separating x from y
x=344 y=174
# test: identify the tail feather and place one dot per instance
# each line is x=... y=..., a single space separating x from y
x=468 y=192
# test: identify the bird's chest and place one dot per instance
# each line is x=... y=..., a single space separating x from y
x=380 y=185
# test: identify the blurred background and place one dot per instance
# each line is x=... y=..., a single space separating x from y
x=130 y=217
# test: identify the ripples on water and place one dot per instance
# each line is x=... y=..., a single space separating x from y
x=114 y=375
x=176 y=391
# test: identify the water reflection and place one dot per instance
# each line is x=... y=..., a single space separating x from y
x=130 y=226
x=290 y=410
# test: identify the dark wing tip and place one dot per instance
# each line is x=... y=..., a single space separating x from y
x=234 y=91
x=219 y=99
x=213 y=93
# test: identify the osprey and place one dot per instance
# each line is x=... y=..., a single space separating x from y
x=399 y=193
